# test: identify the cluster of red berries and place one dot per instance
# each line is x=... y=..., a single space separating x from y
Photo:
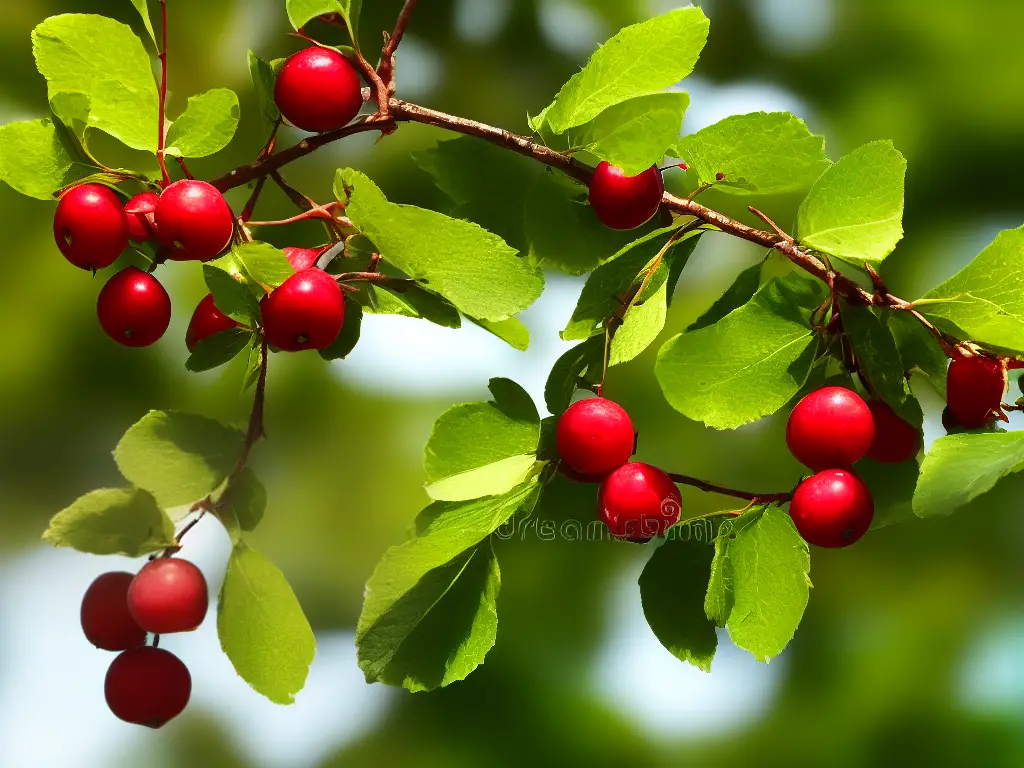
x=637 y=501
x=145 y=685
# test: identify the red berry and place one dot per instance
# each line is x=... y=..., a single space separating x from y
x=90 y=226
x=106 y=620
x=625 y=202
x=206 y=321
x=318 y=90
x=638 y=501
x=194 y=220
x=305 y=312
x=949 y=422
x=974 y=390
x=832 y=508
x=169 y=595
x=147 y=686
x=140 y=210
x=303 y=258
x=895 y=440
x=133 y=308
x=830 y=428
x=595 y=436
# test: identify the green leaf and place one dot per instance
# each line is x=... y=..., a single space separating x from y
x=584 y=361
x=263 y=80
x=415 y=302
x=34 y=161
x=218 y=349
x=300 y=12
x=984 y=301
x=143 y=9
x=880 y=361
x=511 y=331
x=178 y=457
x=104 y=67
x=349 y=336
x=766 y=153
x=207 y=125
x=474 y=269
x=959 y=468
x=635 y=134
x=407 y=588
x=264 y=263
x=243 y=508
x=672 y=588
x=640 y=60
x=231 y=295
x=262 y=628
x=739 y=293
x=855 y=209
x=892 y=490
x=641 y=325
x=748 y=364
x=919 y=350
x=564 y=233
x=112 y=521
x=254 y=364
x=483 y=449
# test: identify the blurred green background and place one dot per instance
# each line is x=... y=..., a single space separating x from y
x=912 y=648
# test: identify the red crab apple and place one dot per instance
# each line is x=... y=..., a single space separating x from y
x=595 y=436
x=140 y=211
x=168 y=595
x=133 y=308
x=147 y=686
x=830 y=428
x=90 y=226
x=832 y=508
x=318 y=90
x=638 y=502
x=206 y=321
x=974 y=390
x=625 y=202
x=303 y=258
x=193 y=220
x=895 y=440
x=306 y=311
x=106 y=620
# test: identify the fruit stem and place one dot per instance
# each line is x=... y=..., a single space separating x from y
x=324 y=212
x=184 y=168
x=162 y=117
x=757 y=498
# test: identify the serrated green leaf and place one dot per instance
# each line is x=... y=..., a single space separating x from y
x=178 y=457
x=263 y=80
x=880 y=361
x=892 y=490
x=641 y=325
x=231 y=294
x=254 y=363
x=511 y=331
x=854 y=211
x=103 y=65
x=471 y=267
x=959 y=468
x=264 y=263
x=635 y=134
x=641 y=59
x=984 y=301
x=739 y=293
x=748 y=364
x=349 y=336
x=672 y=588
x=766 y=153
x=218 y=349
x=143 y=8
x=112 y=521
x=300 y=12
x=34 y=160
x=243 y=508
x=719 y=597
x=584 y=361
x=207 y=125
x=414 y=302
x=262 y=628
x=919 y=350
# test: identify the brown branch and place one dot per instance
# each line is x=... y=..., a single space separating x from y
x=386 y=68
x=253 y=434
x=761 y=498
x=162 y=115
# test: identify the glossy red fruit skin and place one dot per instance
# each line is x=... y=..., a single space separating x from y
x=194 y=220
x=106 y=620
x=832 y=508
x=147 y=686
x=168 y=595
x=306 y=311
x=895 y=440
x=974 y=390
x=140 y=211
x=638 y=501
x=595 y=436
x=206 y=321
x=830 y=428
x=133 y=308
x=625 y=202
x=303 y=258
x=318 y=90
x=90 y=226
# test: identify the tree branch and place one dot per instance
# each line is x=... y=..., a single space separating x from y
x=162 y=116
x=760 y=498
x=386 y=68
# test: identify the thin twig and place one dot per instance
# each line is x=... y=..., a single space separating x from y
x=386 y=68
x=760 y=498
x=162 y=116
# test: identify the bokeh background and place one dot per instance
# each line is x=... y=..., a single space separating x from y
x=912 y=648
